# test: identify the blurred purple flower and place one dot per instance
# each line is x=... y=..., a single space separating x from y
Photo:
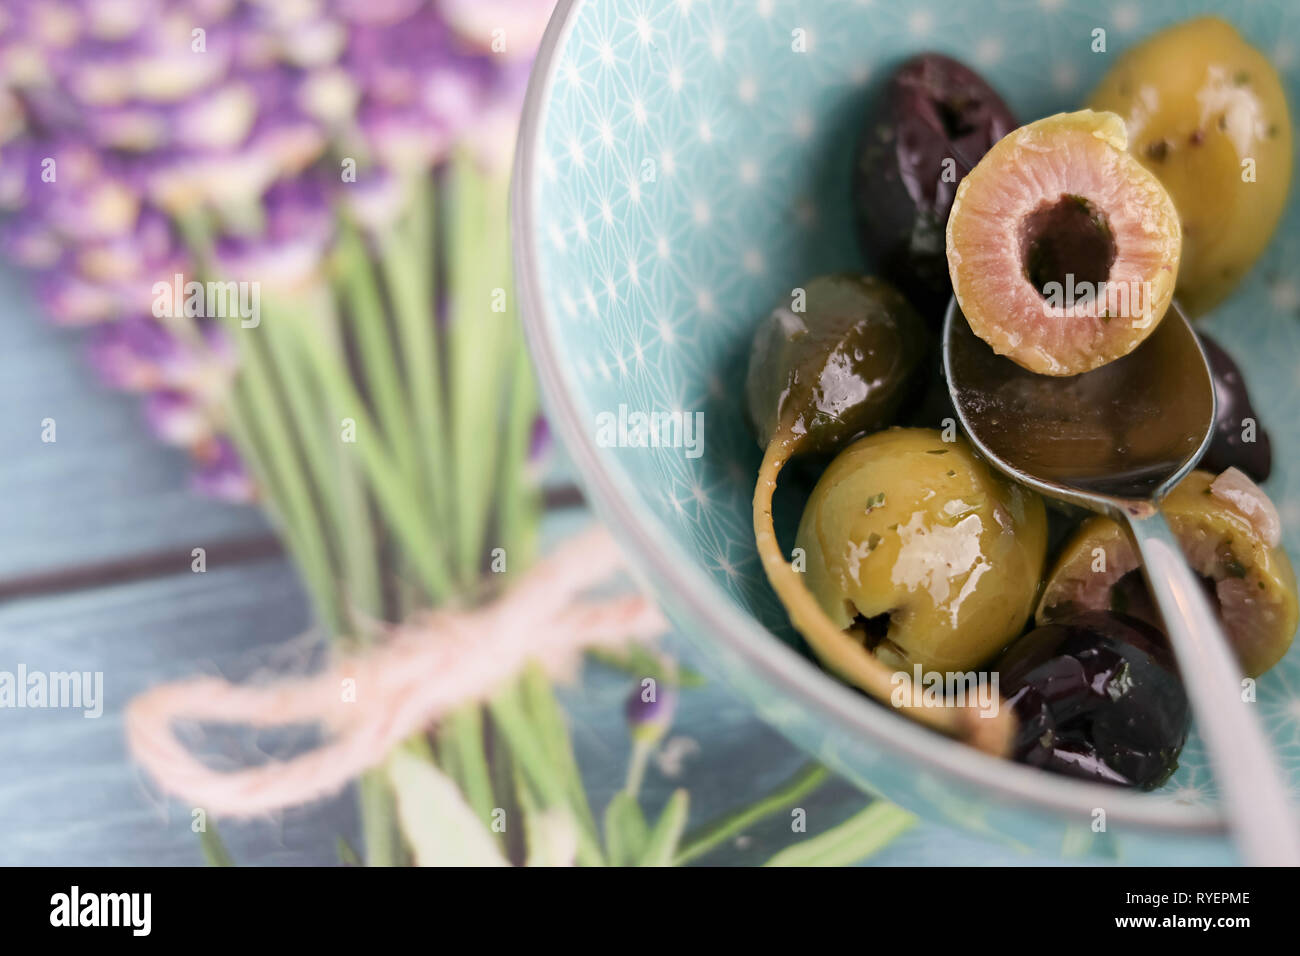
x=176 y=418
x=139 y=354
x=290 y=245
x=121 y=118
x=377 y=199
x=30 y=242
x=376 y=11
x=221 y=473
x=540 y=447
x=648 y=720
x=70 y=300
x=518 y=24
x=135 y=354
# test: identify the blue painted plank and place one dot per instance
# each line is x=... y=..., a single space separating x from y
x=68 y=794
x=103 y=490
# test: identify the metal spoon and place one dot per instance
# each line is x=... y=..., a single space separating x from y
x=1115 y=441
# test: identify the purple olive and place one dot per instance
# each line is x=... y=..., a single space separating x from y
x=1229 y=447
x=1097 y=696
x=934 y=122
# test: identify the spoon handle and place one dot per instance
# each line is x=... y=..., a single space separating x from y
x=1255 y=797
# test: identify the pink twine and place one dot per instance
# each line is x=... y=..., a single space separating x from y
x=424 y=671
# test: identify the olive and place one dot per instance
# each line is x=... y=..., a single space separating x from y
x=918 y=550
x=933 y=123
x=1206 y=112
x=832 y=363
x=1097 y=696
x=1057 y=202
x=1239 y=441
x=1230 y=533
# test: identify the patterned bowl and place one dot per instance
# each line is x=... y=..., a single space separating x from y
x=684 y=164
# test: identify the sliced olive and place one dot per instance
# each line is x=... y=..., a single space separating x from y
x=1230 y=534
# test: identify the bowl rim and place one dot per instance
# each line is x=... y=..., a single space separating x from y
x=663 y=563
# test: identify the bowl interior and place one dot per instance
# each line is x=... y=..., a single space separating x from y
x=691 y=167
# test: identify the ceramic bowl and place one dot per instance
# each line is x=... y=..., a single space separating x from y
x=683 y=165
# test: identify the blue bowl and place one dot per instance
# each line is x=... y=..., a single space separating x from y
x=681 y=167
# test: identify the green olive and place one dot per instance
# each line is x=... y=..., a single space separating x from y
x=921 y=553
x=832 y=363
x=1206 y=113
x=1229 y=532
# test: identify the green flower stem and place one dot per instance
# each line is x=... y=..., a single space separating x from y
x=361 y=552
x=520 y=508
x=347 y=855
x=237 y=417
x=256 y=419
x=479 y=343
x=465 y=729
x=379 y=820
x=270 y=464
x=805 y=781
x=501 y=769
x=447 y=753
x=548 y=718
x=196 y=233
x=636 y=764
x=529 y=802
x=320 y=442
x=281 y=462
x=272 y=457
x=626 y=830
x=853 y=840
x=661 y=844
x=407 y=263
x=214 y=850
x=360 y=291
x=400 y=504
x=540 y=771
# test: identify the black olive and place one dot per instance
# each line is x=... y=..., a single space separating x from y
x=1229 y=448
x=935 y=120
x=1097 y=696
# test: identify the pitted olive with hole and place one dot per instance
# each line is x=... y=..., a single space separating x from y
x=921 y=553
x=1231 y=535
x=1207 y=114
x=1063 y=250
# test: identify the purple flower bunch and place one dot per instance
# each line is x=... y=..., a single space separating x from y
x=126 y=123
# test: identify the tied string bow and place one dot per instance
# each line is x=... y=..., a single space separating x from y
x=425 y=669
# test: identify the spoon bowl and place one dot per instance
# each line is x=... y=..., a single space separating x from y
x=1128 y=431
x=1116 y=440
